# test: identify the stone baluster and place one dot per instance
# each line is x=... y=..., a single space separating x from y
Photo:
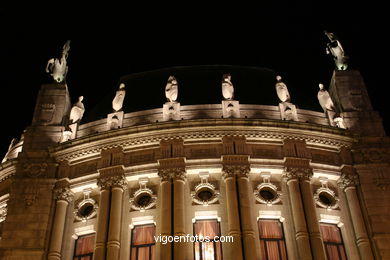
x=63 y=196
x=348 y=182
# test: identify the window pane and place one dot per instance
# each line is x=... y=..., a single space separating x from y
x=330 y=233
x=272 y=243
x=143 y=235
x=84 y=245
x=270 y=228
x=210 y=250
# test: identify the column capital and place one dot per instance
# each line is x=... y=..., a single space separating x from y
x=62 y=191
x=239 y=170
x=108 y=182
x=302 y=173
x=348 y=178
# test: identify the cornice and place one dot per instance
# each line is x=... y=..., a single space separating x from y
x=205 y=129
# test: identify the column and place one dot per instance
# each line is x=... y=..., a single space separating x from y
x=297 y=211
x=63 y=197
x=348 y=182
x=234 y=248
x=102 y=221
x=317 y=244
x=118 y=185
x=178 y=174
x=165 y=212
x=247 y=221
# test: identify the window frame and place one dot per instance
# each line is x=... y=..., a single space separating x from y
x=214 y=243
x=143 y=245
x=272 y=239
x=79 y=257
x=334 y=243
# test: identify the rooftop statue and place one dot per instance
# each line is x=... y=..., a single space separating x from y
x=282 y=90
x=77 y=111
x=171 y=89
x=227 y=87
x=58 y=67
x=334 y=47
x=324 y=99
x=117 y=102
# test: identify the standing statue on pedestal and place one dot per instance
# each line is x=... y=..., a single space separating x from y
x=282 y=90
x=58 y=67
x=171 y=89
x=334 y=47
x=117 y=102
x=227 y=87
x=324 y=99
x=77 y=111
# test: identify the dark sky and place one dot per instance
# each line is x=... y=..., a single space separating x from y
x=110 y=42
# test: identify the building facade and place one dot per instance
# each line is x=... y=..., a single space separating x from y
x=263 y=182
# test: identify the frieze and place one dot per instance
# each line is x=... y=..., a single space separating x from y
x=138 y=158
x=203 y=152
x=84 y=168
x=325 y=158
x=74 y=152
x=267 y=152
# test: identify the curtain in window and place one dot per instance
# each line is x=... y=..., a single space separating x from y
x=333 y=242
x=272 y=242
x=143 y=244
x=207 y=250
x=84 y=247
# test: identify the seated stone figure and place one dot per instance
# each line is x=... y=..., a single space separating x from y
x=227 y=87
x=171 y=89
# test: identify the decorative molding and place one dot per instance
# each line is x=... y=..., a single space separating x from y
x=92 y=148
x=84 y=203
x=267 y=186
x=204 y=186
x=3 y=207
x=63 y=193
x=330 y=195
x=141 y=193
x=35 y=170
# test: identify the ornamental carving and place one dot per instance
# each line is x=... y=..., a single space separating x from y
x=298 y=173
x=177 y=173
x=35 y=170
x=3 y=210
x=239 y=170
x=326 y=198
x=63 y=193
x=106 y=183
x=267 y=193
x=348 y=180
x=205 y=193
x=143 y=199
x=86 y=209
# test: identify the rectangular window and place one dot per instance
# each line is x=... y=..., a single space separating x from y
x=84 y=247
x=211 y=250
x=273 y=245
x=142 y=242
x=333 y=242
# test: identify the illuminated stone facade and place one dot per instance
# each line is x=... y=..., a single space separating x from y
x=170 y=171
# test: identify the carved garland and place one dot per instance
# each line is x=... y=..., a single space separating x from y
x=86 y=209
x=143 y=199
x=205 y=194
x=326 y=198
x=267 y=193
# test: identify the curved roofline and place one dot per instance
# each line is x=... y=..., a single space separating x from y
x=145 y=73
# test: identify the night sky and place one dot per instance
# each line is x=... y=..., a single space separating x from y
x=108 y=43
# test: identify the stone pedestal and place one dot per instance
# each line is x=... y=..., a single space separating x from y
x=171 y=111
x=288 y=111
x=230 y=109
x=115 y=120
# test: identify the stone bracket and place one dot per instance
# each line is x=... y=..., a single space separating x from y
x=230 y=109
x=171 y=111
x=288 y=111
x=115 y=120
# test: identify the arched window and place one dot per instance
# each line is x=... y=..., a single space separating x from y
x=207 y=250
x=333 y=242
x=83 y=249
x=142 y=242
x=273 y=245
